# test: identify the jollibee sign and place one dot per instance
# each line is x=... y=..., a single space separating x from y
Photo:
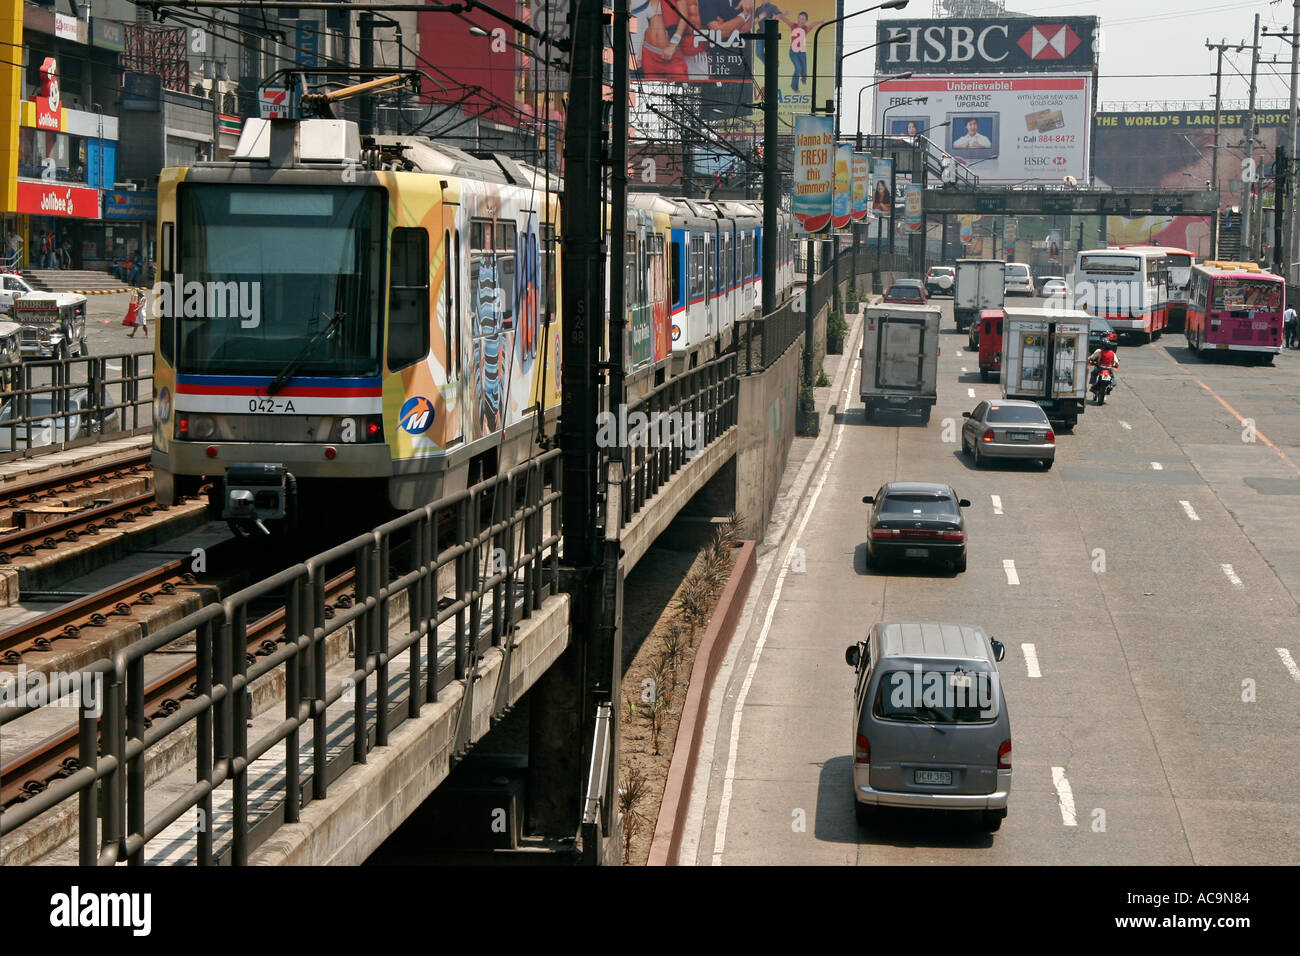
x=49 y=106
x=56 y=199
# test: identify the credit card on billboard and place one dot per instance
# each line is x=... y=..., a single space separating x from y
x=1044 y=121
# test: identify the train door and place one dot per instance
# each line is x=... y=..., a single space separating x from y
x=711 y=282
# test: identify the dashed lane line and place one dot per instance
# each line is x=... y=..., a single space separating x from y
x=1009 y=567
x=1065 y=796
x=1031 y=660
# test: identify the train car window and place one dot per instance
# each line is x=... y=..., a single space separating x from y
x=548 y=264
x=675 y=279
x=460 y=300
x=167 y=324
x=631 y=281
x=697 y=267
x=408 y=298
x=710 y=276
x=449 y=309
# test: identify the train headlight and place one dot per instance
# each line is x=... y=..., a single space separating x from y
x=195 y=427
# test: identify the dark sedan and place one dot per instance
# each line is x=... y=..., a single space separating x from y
x=1101 y=335
x=916 y=520
x=907 y=292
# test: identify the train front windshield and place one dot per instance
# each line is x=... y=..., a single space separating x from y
x=265 y=270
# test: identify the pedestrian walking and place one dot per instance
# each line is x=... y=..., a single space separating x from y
x=142 y=316
x=1292 y=337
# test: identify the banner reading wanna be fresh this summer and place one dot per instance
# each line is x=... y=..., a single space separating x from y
x=814 y=171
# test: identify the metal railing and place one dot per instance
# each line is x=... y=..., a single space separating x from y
x=52 y=403
x=505 y=560
x=13 y=261
x=683 y=416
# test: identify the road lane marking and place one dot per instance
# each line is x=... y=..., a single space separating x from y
x=1065 y=795
x=965 y=369
x=1289 y=663
x=1191 y=512
x=1009 y=566
x=1126 y=426
x=970 y=392
x=1232 y=575
x=724 y=806
x=1231 y=411
x=1156 y=466
x=1031 y=660
x=997 y=504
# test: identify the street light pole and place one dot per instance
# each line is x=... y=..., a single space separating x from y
x=1214 y=161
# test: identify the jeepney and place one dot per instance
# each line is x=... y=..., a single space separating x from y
x=53 y=324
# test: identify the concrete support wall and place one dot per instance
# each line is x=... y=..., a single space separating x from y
x=766 y=417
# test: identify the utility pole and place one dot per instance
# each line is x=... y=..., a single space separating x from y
x=1291 y=230
x=771 y=167
x=1248 y=189
x=1214 y=162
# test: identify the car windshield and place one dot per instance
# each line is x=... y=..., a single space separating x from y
x=905 y=292
x=925 y=505
x=955 y=696
x=42 y=406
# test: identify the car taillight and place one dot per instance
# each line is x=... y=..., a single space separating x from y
x=1051 y=437
x=1004 y=755
x=953 y=536
x=884 y=532
x=862 y=750
x=988 y=435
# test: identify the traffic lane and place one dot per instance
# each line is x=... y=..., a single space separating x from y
x=1197 y=609
x=797 y=717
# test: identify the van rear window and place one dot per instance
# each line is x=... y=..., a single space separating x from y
x=954 y=696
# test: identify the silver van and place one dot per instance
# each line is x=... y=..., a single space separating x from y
x=930 y=726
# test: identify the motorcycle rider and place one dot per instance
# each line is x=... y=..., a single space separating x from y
x=1103 y=357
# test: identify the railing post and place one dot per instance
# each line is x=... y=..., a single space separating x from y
x=314 y=606
x=464 y=571
x=135 y=765
x=293 y=680
x=88 y=798
x=240 y=715
x=378 y=629
x=203 y=738
x=365 y=588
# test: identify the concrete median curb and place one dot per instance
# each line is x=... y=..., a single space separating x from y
x=681 y=770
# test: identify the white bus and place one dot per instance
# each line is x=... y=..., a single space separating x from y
x=1129 y=288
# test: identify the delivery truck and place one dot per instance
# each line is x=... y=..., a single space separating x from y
x=900 y=359
x=981 y=284
x=1045 y=360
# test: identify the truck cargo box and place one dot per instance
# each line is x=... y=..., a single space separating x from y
x=1045 y=360
x=900 y=358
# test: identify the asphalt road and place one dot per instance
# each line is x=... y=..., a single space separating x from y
x=1151 y=633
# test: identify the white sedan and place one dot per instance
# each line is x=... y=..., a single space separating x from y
x=1055 y=287
x=12 y=286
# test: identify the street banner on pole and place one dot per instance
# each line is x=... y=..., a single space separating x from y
x=913 y=207
x=814 y=171
x=882 y=196
x=842 y=198
x=861 y=189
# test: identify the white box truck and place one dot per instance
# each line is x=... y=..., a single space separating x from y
x=1045 y=360
x=981 y=284
x=900 y=359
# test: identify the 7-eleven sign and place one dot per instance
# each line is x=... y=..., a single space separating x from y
x=273 y=102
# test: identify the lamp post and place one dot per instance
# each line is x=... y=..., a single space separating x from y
x=893 y=182
x=890 y=5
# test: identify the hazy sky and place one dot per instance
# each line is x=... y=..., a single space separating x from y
x=1150 y=47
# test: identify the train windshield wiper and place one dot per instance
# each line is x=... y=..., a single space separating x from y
x=295 y=363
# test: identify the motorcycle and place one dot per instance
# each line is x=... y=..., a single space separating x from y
x=1103 y=384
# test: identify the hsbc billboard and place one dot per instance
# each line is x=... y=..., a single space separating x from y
x=997 y=45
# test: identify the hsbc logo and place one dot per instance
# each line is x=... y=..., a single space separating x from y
x=972 y=45
x=1059 y=160
x=1054 y=42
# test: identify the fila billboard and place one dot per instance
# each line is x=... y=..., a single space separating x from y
x=1011 y=128
x=1013 y=44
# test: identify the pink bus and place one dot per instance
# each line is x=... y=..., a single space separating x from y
x=1235 y=307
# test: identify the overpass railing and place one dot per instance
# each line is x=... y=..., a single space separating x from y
x=499 y=538
x=53 y=403
x=676 y=421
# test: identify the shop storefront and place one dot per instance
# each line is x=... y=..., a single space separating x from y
x=129 y=222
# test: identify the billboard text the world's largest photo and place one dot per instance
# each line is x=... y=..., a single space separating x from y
x=1007 y=129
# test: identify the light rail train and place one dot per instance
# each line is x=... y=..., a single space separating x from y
x=344 y=321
